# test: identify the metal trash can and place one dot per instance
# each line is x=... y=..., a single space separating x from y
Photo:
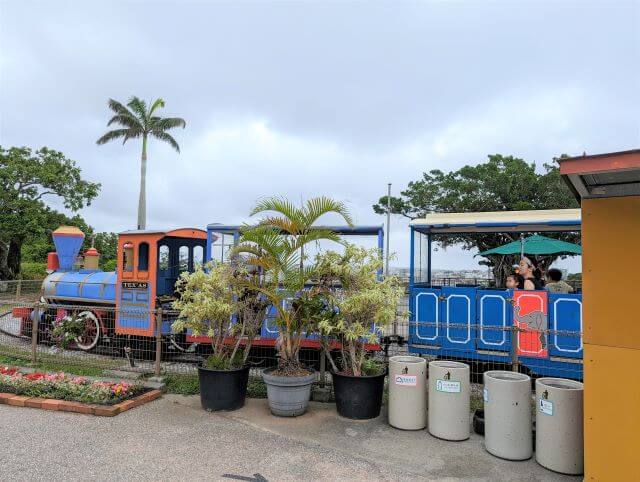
x=507 y=415
x=449 y=401
x=559 y=429
x=408 y=392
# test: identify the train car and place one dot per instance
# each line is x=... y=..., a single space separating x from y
x=538 y=330
x=221 y=238
x=122 y=302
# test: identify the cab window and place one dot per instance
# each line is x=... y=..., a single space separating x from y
x=183 y=258
x=163 y=258
x=143 y=257
x=198 y=256
x=127 y=257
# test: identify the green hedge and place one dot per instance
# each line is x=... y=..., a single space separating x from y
x=33 y=270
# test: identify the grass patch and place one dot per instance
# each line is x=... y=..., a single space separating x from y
x=52 y=366
x=182 y=384
x=189 y=385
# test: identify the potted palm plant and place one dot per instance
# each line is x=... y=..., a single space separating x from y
x=276 y=245
x=221 y=303
x=360 y=304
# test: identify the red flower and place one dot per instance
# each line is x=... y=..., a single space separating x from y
x=7 y=370
x=34 y=376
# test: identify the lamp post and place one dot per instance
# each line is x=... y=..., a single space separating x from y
x=386 y=256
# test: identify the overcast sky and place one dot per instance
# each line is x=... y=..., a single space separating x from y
x=309 y=98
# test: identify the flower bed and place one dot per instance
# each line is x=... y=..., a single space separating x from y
x=60 y=386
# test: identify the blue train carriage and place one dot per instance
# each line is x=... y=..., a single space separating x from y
x=475 y=323
x=221 y=238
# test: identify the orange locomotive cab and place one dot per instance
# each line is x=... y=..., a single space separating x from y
x=149 y=264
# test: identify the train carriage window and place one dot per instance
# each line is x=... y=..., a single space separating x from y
x=127 y=256
x=163 y=258
x=183 y=258
x=198 y=256
x=143 y=257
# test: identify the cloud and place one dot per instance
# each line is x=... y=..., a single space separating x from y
x=313 y=98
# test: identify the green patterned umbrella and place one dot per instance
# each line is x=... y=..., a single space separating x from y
x=536 y=244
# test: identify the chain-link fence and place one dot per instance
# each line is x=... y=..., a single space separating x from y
x=20 y=290
x=28 y=334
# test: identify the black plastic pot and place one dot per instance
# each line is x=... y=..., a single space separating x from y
x=223 y=389
x=358 y=398
x=478 y=422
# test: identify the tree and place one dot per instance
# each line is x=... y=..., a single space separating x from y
x=27 y=179
x=503 y=183
x=275 y=246
x=139 y=121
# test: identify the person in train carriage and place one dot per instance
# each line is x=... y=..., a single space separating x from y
x=514 y=281
x=555 y=283
x=531 y=274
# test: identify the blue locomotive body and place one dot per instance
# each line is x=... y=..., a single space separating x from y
x=81 y=287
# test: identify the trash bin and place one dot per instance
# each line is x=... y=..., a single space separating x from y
x=449 y=400
x=507 y=415
x=559 y=435
x=408 y=392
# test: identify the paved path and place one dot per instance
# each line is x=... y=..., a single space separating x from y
x=173 y=439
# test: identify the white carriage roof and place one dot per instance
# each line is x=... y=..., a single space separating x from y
x=500 y=221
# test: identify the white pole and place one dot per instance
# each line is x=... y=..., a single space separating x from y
x=386 y=258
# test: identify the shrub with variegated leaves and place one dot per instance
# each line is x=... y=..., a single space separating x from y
x=220 y=301
x=360 y=302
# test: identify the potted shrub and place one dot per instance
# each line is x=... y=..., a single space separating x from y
x=360 y=303
x=218 y=302
x=276 y=245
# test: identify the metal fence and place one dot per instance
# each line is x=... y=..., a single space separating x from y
x=26 y=340
x=20 y=290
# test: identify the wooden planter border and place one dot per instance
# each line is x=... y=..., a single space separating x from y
x=77 y=407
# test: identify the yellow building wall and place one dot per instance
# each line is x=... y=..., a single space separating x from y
x=611 y=413
x=611 y=314
x=611 y=271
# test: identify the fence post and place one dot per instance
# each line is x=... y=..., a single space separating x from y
x=514 y=348
x=18 y=289
x=158 y=341
x=35 y=326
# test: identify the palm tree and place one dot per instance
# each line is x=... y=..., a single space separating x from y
x=276 y=246
x=138 y=121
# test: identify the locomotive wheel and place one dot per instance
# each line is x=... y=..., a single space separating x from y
x=89 y=338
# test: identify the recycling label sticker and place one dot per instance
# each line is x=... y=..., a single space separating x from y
x=485 y=395
x=406 y=380
x=448 y=386
x=546 y=407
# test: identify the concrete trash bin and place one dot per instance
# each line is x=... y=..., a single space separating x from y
x=559 y=430
x=408 y=392
x=449 y=401
x=507 y=415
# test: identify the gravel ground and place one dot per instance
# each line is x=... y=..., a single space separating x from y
x=172 y=438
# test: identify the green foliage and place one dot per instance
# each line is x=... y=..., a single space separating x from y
x=503 y=183
x=189 y=385
x=138 y=121
x=67 y=330
x=372 y=367
x=276 y=246
x=210 y=297
x=107 y=246
x=361 y=302
x=30 y=270
x=218 y=362
x=27 y=180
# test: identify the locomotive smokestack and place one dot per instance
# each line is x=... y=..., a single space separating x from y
x=68 y=240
